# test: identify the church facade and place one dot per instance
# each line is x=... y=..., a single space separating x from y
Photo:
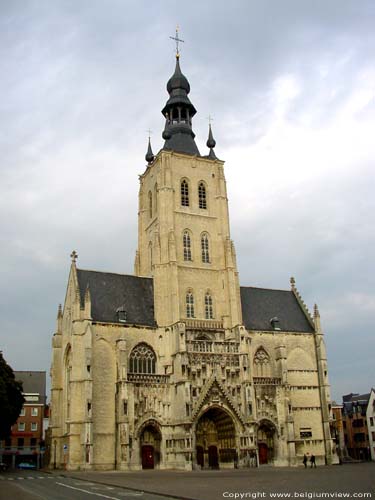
x=178 y=366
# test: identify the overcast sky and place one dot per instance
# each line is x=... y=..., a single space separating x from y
x=291 y=88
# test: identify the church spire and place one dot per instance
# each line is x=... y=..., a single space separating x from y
x=211 y=143
x=149 y=155
x=178 y=112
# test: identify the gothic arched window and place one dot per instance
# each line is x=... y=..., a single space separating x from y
x=205 y=248
x=156 y=197
x=202 y=198
x=150 y=204
x=187 y=245
x=262 y=366
x=142 y=359
x=208 y=306
x=184 y=193
x=189 y=305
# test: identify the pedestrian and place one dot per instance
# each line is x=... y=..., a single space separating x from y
x=312 y=460
x=304 y=460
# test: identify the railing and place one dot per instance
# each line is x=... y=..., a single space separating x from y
x=205 y=324
x=148 y=378
x=266 y=380
x=212 y=347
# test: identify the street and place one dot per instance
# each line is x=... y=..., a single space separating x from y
x=35 y=485
x=355 y=480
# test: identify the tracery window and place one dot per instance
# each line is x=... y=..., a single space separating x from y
x=262 y=366
x=205 y=248
x=208 y=306
x=189 y=305
x=202 y=198
x=142 y=359
x=184 y=193
x=187 y=246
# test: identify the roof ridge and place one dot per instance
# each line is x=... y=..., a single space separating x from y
x=117 y=274
x=263 y=288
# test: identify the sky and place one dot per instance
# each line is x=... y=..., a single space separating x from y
x=291 y=89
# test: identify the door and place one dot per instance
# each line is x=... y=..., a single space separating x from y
x=213 y=459
x=263 y=453
x=200 y=456
x=147 y=457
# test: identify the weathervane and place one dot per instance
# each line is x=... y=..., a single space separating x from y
x=149 y=131
x=210 y=119
x=177 y=40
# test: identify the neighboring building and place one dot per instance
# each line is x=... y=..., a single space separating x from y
x=355 y=425
x=26 y=440
x=178 y=366
x=370 y=416
x=337 y=429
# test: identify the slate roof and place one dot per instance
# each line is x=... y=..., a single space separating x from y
x=260 y=305
x=33 y=382
x=111 y=291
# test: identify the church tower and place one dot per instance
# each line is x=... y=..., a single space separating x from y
x=183 y=223
x=178 y=366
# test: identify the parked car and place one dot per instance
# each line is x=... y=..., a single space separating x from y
x=3 y=467
x=26 y=465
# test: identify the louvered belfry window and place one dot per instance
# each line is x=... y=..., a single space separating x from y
x=202 y=196
x=184 y=193
x=205 y=248
x=189 y=305
x=187 y=246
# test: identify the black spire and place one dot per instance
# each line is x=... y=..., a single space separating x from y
x=178 y=111
x=211 y=143
x=149 y=155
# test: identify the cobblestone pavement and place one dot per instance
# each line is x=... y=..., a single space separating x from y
x=351 y=480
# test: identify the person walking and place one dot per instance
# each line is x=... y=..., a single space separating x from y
x=304 y=460
x=312 y=461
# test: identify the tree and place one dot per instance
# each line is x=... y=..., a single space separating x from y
x=11 y=398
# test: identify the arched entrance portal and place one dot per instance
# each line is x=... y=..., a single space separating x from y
x=266 y=442
x=150 y=447
x=216 y=440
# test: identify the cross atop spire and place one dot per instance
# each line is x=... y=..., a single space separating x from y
x=177 y=40
x=74 y=256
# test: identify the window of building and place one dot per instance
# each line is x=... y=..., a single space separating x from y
x=34 y=426
x=305 y=433
x=150 y=204
x=358 y=422
x=202 y=198
x=373 y=435
x=359 y=437
x=20 y=442
x=34 y=412
x=371 y=421
x=184 y=193
x=32 y=441
x=208 y=306
x=8 y=443
x=142 y=359
x=189 y=305
x=21 y=426
x=23 y=412
x=205 y=248
x=187 y=246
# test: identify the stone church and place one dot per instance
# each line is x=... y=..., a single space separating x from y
x=178 y=366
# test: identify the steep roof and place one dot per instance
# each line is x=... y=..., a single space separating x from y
x=33 y=382
x=110 y=291
x=260 y=305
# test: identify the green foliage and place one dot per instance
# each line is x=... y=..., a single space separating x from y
x=11 y=398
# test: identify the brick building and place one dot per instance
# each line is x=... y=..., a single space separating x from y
x=26 y=443
x=356 y=433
